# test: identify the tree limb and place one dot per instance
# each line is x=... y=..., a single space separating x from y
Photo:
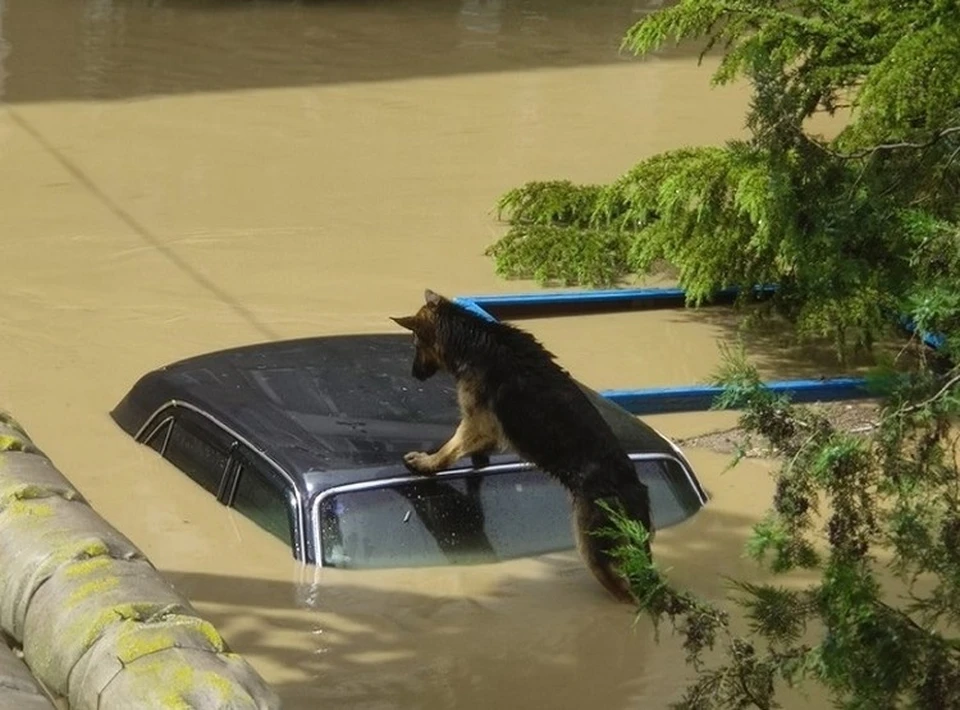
x=887 y=146
x=943 y=390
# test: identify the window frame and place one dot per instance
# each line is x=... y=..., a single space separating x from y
x=242 y=460
x=165 y=425
x=199 y=427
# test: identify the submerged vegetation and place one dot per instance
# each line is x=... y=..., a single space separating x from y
x=853 y=229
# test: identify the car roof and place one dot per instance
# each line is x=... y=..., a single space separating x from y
x=329 y=410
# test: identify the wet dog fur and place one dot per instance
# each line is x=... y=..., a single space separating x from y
x=513 y=395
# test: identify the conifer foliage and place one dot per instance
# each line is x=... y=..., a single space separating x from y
x=853 y=229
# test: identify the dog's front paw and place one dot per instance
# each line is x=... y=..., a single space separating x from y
x=419 y=462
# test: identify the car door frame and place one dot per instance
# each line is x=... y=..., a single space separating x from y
x=241 y=454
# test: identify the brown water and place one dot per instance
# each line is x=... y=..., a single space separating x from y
x=177 y=177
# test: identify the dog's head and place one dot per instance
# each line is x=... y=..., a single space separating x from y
x=423 y=324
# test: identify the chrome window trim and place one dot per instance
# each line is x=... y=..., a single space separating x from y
x=681 y=458
x=301 y=531
x=237 y=472
x=165 y=422
x=232 y=470
x=493 y=468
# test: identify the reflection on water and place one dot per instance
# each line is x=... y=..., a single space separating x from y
x=119 y=48
x=4 y=51
x=178 y=177
x=482 y=17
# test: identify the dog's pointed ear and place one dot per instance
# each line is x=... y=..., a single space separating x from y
x=432 y=298
x=408 y=322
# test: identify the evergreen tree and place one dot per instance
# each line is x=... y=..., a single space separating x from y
x=853 y=230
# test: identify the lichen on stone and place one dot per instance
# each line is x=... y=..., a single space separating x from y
x=9 y=442
x=92 y=587
x=226 y=690
x=31 y=508
x=18 y=490
x=82 y=568
x=138 y=641
x=142 y=639
x=90 y=627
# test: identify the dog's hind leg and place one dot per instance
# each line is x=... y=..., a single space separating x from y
x=477 y=435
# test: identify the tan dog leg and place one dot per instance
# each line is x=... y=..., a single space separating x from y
x=474 y=435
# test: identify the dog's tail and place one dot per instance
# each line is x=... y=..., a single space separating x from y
x=592 y=527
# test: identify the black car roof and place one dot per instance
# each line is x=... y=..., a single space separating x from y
x=329 y=410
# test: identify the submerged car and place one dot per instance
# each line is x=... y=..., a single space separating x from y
x=306 y=437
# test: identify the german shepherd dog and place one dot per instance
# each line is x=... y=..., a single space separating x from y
x=513 y=395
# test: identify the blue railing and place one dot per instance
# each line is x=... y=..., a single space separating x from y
x=555 y=303
x=661 y=400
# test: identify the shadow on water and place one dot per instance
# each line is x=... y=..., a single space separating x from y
x=772 y=346
x=493 y=636
x=117 y=49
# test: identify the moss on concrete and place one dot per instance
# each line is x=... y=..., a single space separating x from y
x=94 y=586
x=13 y=438
x=31 y=508
x=11 y=492
x=66 y=550
x=85 y=548
x=12 y=443
x=226 y=690
x=15 y=490
x=177 y=680
x=91 y=626
x=182 y=683
x=132 y=646
x=139 y=640
x=83 y=568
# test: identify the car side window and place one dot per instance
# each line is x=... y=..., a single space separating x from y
x=258 y=497
x=198 y=449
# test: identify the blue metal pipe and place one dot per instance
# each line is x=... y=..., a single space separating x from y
x=664 y=400
x=698 y=398
x=552 y=303
x=932 y=340
x=471 y=305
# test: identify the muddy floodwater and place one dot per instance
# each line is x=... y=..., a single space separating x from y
x=182 y=176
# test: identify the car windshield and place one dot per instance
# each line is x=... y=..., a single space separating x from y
x=471 y=518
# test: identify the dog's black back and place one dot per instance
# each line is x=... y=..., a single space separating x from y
x=544 y=414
